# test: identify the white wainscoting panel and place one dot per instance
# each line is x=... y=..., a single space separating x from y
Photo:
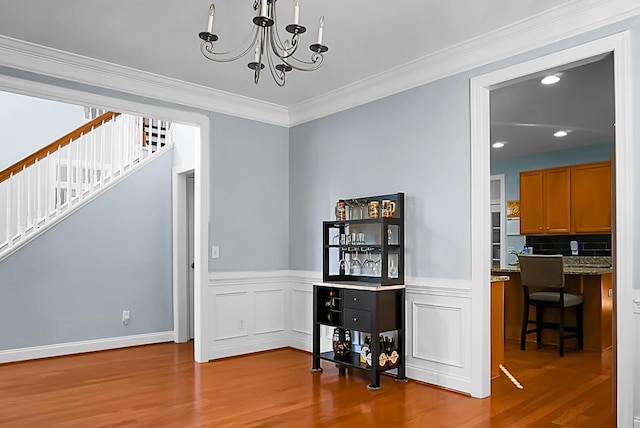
x=301 y=310
x=441 y=329
x=269 y=311
x=231 y=314
x=438 y=328
x=257 y=311
x=249 y=312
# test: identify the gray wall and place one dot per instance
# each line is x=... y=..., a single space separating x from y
x=416 y=142
x=263 y=179
x=249 y=195
x=73 y=282
x=30 y=123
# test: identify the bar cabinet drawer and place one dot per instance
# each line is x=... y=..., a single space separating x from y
x=357 y=320
x=357 y=299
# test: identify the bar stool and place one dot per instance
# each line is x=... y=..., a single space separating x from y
x=543 y=284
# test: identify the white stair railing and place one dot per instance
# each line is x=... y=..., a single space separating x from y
x=67 y=176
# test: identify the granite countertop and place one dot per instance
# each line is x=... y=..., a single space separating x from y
x=573 y=265
x=568 y=270
x=499 y=278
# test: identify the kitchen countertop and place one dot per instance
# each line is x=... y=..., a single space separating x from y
x=499 y=278
x=568 y=270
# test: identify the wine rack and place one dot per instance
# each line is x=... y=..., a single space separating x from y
x=367 y=310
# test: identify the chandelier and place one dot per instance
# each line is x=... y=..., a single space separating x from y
x=268 y=47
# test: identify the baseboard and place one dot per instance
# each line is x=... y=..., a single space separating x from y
x=246 y=348
x=303 y=344
x=56 y=350
x=439 y=379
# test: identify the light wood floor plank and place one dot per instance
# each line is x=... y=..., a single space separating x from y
x=160 y=385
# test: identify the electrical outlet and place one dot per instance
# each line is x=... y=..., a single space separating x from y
x=241 y=325
x=510 y=249
x=126 y=316
x=215 y=252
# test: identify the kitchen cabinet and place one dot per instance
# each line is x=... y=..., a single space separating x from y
x=591 y=198
x=545 y=202
x=531 y=208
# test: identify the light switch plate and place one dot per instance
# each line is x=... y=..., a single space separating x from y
x=215 y=252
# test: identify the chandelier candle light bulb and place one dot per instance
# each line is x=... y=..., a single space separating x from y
x=263 y=9
x=212 y=11
x=296 y=13
x=320 y=29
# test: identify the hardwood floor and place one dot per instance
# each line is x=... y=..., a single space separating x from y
x=160 y=385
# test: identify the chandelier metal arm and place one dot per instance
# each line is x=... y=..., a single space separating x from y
x=257 y=66
x=277 y=73
x=206 y=47
x=277 y=40
x=316 y=62
x=271 y=50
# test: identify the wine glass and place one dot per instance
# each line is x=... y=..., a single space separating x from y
x=356 y=266
x=376 y=267
x=369 y=264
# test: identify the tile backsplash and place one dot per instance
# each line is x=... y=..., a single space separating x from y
x=589 y=245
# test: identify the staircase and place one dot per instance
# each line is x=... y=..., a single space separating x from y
x=50 y=184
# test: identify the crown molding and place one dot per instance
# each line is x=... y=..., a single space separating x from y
x=55 y=63
x=551 y=26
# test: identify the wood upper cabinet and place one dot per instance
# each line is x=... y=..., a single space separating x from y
x=545 y=203
x=591 y=198
x=557 y=200
x=566 y=200
x=531 y=208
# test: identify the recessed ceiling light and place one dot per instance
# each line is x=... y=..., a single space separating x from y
x=550 y=80
x=498 y=144
x=560 y=134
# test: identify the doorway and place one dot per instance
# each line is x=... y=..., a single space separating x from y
x=184 y=263
x=525 y=114
x=190 y=254
x=480 y=172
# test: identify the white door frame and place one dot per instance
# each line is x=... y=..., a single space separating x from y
x=201 y=163
x=180 y=249
x=503 y=219
x=480 y=140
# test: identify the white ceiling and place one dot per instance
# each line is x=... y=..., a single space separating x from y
x=365 y=39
